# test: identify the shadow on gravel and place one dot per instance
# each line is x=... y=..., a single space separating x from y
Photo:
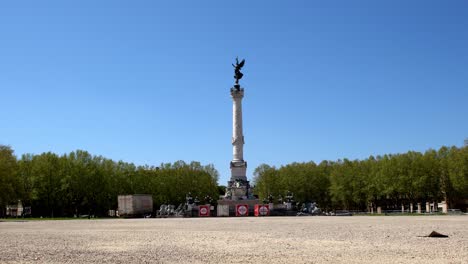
x=435 y=234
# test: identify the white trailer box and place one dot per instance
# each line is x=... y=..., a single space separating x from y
x=135 y=204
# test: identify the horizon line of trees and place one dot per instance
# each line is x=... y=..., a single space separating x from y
x=80 y=183
x=388 y=181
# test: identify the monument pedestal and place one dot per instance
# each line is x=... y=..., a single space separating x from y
x=238 y=190
x=238 y=193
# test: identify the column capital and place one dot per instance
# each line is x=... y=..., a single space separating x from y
x=237 y=91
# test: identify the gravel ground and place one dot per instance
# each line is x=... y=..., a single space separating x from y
x=356 y=239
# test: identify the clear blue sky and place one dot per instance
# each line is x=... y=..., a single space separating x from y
x=148 y=81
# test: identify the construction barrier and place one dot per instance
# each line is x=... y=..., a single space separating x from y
x=203 y=210
x=262 y=210
x=242 y=210
x=223 y=210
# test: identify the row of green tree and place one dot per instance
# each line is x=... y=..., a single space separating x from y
x=80 y=183
x=387 y=181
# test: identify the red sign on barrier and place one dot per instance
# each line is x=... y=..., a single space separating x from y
x=242 y=210
x=204 y=210
x=262 y=210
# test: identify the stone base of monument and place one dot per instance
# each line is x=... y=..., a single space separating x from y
x=238 y=190
x=232 y=205
x=239 y=193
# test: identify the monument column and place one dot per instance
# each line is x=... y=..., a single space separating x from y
x=238 y=165
x=237 y=133
x=238 y=187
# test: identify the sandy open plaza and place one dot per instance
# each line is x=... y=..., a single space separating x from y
x=356 y=239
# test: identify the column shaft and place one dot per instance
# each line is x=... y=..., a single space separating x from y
x=237 y=133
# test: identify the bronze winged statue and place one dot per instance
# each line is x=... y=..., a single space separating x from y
x=237 y=73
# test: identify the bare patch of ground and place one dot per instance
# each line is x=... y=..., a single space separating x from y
x=357 y=239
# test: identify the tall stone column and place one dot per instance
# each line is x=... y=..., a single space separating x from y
x=238 y=165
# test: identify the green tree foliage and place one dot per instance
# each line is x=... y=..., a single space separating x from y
x=458 y=171
x=47 y=176
x=171 y=182
x=80 y=183
x=387 y=180
x=26 y=178
x=10 y=188
x=266 y=181
x=307 y=181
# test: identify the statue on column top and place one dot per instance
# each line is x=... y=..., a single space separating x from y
x=237 y=73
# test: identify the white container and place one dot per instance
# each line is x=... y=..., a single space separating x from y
x=223 y=210
x=136 y=204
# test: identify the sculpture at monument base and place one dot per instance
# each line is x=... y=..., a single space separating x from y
x=238 y=190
